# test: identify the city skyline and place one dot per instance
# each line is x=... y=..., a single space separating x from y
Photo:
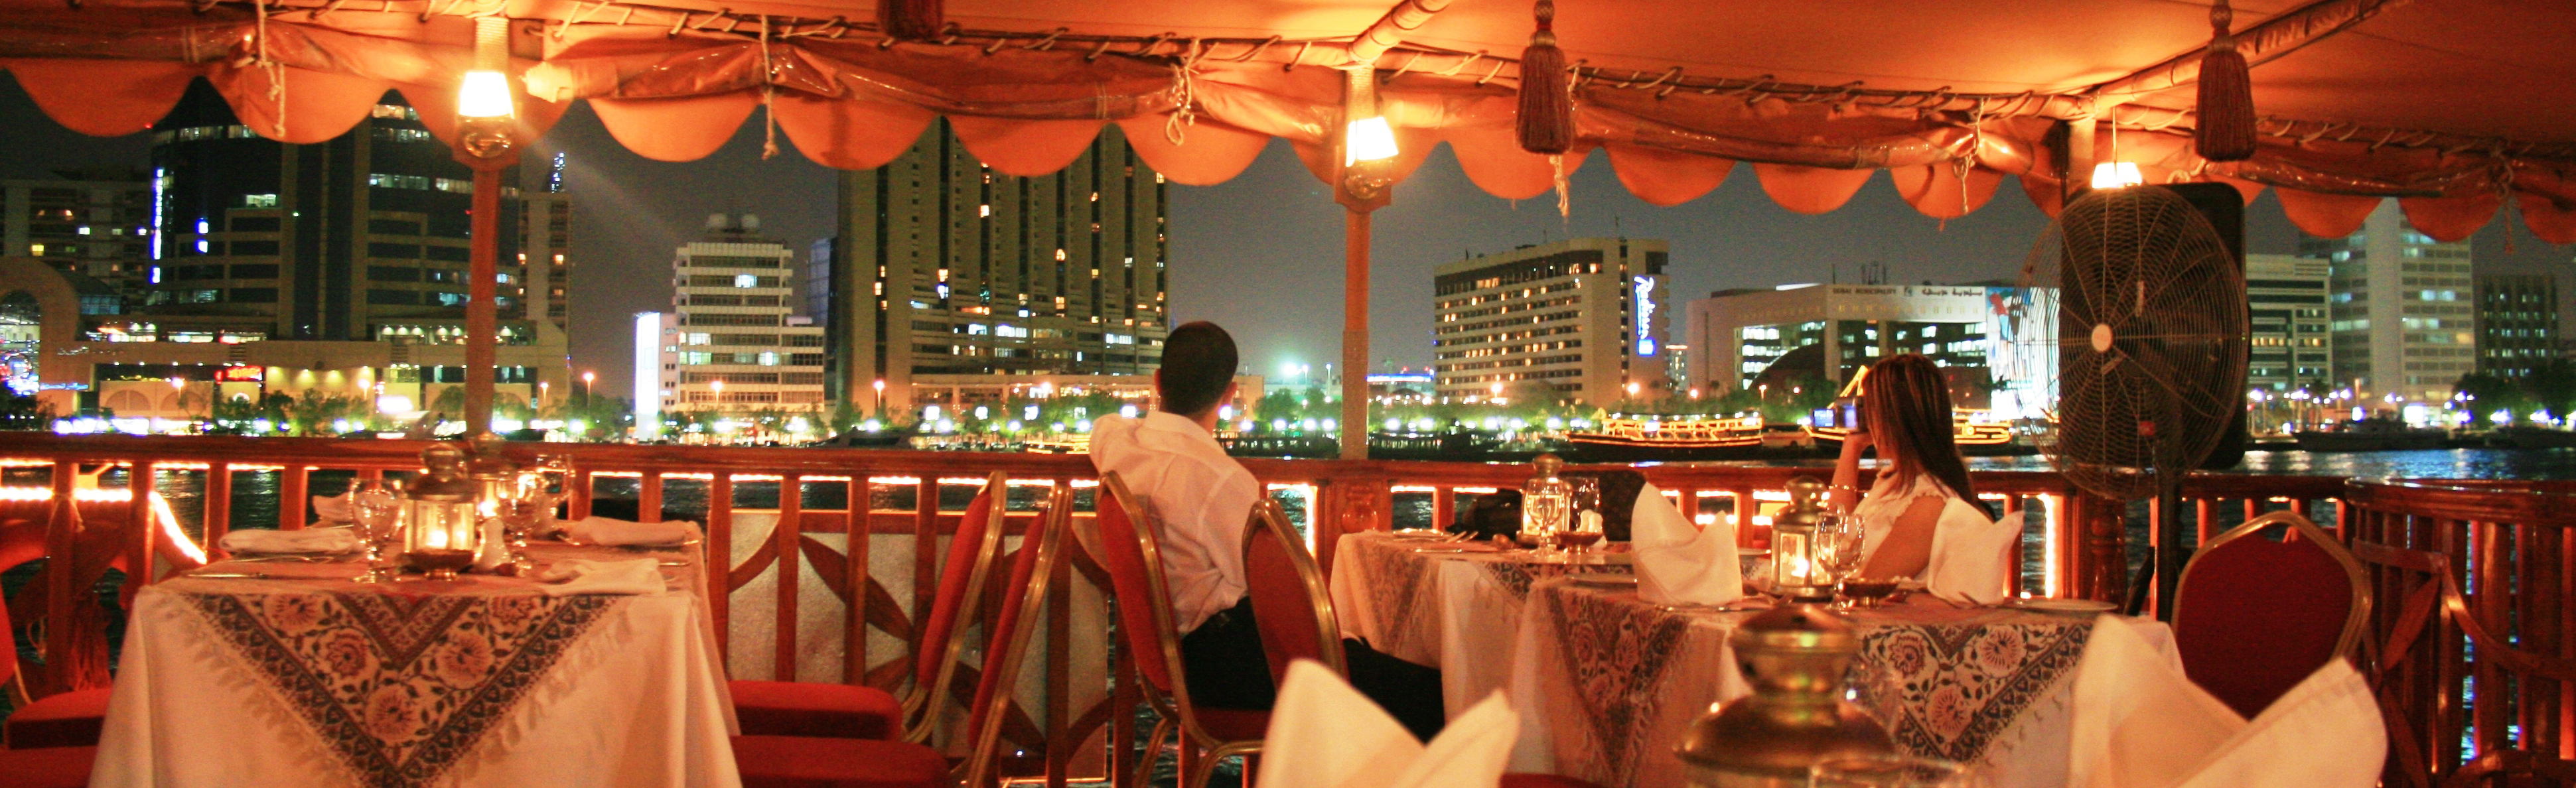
x=1270 y=236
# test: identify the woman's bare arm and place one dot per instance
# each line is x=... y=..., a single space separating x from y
x=1907 y=550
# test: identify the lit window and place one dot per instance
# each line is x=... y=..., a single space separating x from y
x=746 y=280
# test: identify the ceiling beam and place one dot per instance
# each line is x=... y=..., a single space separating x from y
x=1390 y=29
x=2275 y=37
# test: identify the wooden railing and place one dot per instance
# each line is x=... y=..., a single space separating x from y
x=899 y=505
x=2472 y=659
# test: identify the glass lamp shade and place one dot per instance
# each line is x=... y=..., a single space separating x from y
x=485 y=94
x=1368 y=139
x=2116 y=175
x=441 y=536
x=1793 y=562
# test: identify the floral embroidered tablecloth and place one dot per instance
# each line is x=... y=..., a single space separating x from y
x=1428 y=603
x=309 y=679
x=1607 y=684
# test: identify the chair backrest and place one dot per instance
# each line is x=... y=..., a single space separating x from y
x=1289 y=598
x=2254 y=617
x=1135 y=563
x=1041 y=553
x=961 y=586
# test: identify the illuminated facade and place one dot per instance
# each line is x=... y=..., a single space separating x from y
x=2517 y=323
x=93 y=223
x=733 y=342
x=1584 y=316
x=1830 y=331
x=2287 y=299
x=942 y=266
x=2402 y=314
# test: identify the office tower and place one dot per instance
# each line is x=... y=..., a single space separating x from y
x=733 y=341
x=2517 y=323
x=2287 y=298
x=97 y=223
x=947 y=274
x=360 y=237
x=2402 y=315
x=541 y=290
x=1584 y=316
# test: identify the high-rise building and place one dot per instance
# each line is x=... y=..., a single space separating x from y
x=2517 y=323
x=1584 y=316
x=541 y=291
x=92 y=222
x=944 y=267
x=2402 y=314
x=2287 y=298
x=732 y=341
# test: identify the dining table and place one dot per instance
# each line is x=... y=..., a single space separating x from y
x=1606 y=684
x=1447 y=603
x=287 y=671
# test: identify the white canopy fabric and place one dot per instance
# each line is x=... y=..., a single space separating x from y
x=2462 y=108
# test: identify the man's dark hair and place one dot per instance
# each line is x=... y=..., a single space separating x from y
x=1198 y=361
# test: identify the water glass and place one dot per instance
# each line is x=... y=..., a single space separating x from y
x=1890 y=771
x=378 y=511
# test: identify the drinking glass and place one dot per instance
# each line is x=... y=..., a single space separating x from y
x=379 y=514
x=1890 y=771
x=1839 y=546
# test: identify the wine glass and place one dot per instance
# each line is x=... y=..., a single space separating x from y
x=1840 y=543
x=378 y=511
x=1582 y=526
x=1889 y=771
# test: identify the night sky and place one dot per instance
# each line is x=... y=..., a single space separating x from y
x=1261 y=254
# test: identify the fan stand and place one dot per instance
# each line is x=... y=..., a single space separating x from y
x=2163 y=566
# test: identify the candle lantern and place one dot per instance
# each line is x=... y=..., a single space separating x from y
x=1794 y=657
x=442 y=521
x=1796 y=572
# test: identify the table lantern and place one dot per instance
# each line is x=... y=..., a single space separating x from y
x=500 y=486
x=441 y=519
x=1796 y=572
x=1794 y=657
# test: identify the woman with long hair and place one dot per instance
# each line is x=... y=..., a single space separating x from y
x=1921 y=501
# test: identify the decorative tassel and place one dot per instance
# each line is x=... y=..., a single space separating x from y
x=1547 y=100
x=911 y=20
x=2226 y=128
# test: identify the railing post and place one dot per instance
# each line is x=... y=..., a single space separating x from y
x=854 y=583
x=648 y=498
x=787 y=539
x=719 y=558
x=582 y=494
x=293 y=497
x=139 y=548
x=60 y=531
x=1444 y=507
x=925 y=549
x=218 y=505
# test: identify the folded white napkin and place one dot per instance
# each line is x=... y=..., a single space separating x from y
x=1971 y=558
x=613 y=531
x=581 y=576
x=310 y=540
x=1677 y=563
x=1323 y=734
x=2140 y=723
x=333 y=508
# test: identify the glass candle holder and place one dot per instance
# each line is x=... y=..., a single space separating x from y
x=441 y=518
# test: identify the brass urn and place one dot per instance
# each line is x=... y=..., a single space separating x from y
x=1794 y=657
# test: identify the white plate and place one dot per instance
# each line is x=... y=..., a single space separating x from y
x=2071 y=606
x=1604 y=579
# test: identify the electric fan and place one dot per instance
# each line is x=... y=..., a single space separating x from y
x=2150 y=345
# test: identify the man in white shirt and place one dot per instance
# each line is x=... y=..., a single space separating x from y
x=1198 y=500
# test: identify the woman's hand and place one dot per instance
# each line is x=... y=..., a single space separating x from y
x=1855 y=442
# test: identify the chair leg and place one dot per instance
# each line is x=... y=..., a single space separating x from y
x=1217 y=755
x=1194 y=768
x=1153 y=750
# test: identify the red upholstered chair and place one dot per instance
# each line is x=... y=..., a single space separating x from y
x=1134 y=559
x=792 y=708
x=50 y=767
x=1294 y=607
x=1289 y=598
x=2253 y=617
x=814 y=762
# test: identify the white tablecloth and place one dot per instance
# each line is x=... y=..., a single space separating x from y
x=1607 y=685
x=1456 y=611
x=309 y=680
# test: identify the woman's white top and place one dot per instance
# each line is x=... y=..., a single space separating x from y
x=1968 y=548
